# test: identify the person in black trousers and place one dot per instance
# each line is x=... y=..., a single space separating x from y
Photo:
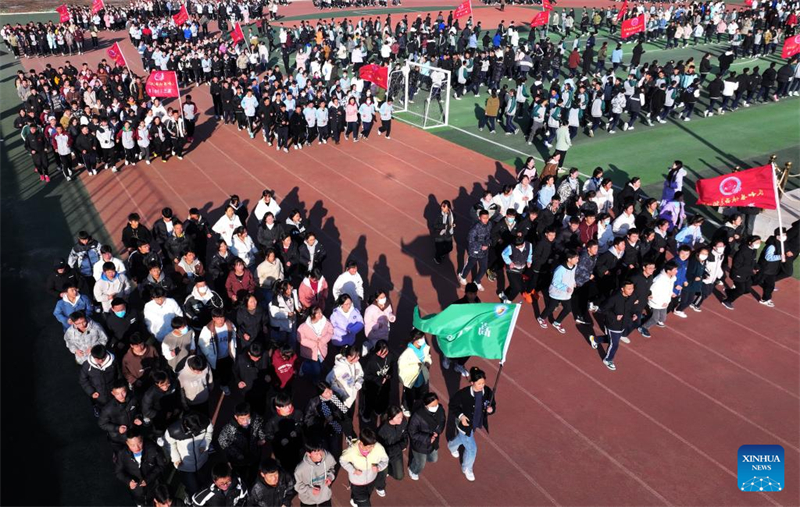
x=393 y=436
x=619 y=316
x=139 y=466
x=425 y=430
x=742 y=270
x=442 y=231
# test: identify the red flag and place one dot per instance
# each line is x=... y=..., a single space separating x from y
x=541 y=19
x=752 y=187
x=791 y=47
x=181 y=17
x=163 y=83
x=464 y=9
x=748 y=3
x=546 y=5
x=622 y=10
x=632 y=26
x=115 y=53
x=97 y=6
x=375 y=74
x=237 y=34
x=63 y=13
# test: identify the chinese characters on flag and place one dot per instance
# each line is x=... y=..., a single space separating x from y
x=632 y=26
x=163 y=83
x=181 y=17
x=63 y=13
x=541 y=19
x=464 y=9
x=752 y=187
x=791 y=47
x=97 y=6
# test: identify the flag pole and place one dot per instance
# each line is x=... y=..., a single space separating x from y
x=778 y=207
x=517 y=308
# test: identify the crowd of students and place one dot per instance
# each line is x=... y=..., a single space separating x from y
x=615 y=256
x=163 y=330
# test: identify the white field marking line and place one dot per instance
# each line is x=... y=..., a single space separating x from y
x=716 y=401
x=125 y=189
x=735 y=363
x=511 y=460
x=434 y=491
x=180 y=196
x=585 y=438
x=779 y=344
x=639 y=410
x=391 y=241
x=625 y=401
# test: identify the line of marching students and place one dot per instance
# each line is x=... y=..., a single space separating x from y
x=612 y=256
x=191 y=312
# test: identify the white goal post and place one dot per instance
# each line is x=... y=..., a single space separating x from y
x=421 y=94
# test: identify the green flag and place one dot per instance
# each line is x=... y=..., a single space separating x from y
x=474 y=329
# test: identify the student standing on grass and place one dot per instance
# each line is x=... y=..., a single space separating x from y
x=472 y=407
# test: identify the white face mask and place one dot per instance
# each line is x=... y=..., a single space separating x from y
x=702 y=257
x=381 y=301
x=420 y=343
x=720 y=250
x=433 y=408
x=755 y=246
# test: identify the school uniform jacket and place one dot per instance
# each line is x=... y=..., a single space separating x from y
x=463 y=403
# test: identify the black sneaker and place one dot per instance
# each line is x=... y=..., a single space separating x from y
x=644 y=332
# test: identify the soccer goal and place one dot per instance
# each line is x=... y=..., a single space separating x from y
x=421 y=94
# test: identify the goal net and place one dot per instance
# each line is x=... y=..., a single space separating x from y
x=421 y=94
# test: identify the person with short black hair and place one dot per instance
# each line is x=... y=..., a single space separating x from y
x=363 y=461
x=314 y=476
x=97 y=376
x=139 y=465
x=83 y=334
x=273 y=487
x=743 y=267
x=561 y=289
x=217 y=343
x=478 y=242
x=197 y=382
x=161 y=403
x=618 y=311
x=284 y=431
x=120 y=414
x=242 y=440
x=226 y=488
x=472 y=407
x=137 y=363
x=326 y=418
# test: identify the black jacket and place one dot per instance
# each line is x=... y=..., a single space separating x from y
x=463 y=403
x=254 y=324
x=212 y=496
x=57 y=281
x=305 y=255
x=152 y=465
x=744 y=262
x=98 y=380
x=422 y=425
x=241 y=444
x=394 y=439
x=162 y=408
x=285 y=434
x=252 y=373
x=617 y=306
x=268 y=238
x=131 y=236
x=116 y=414
x=316 y=422
x=160 y=233
x=121 y=328
x=641 y=290
x=176 y=246
x=263 y=495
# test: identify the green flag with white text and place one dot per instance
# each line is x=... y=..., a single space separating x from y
x=473 y=329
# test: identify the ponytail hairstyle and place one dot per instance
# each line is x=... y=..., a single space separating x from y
x=476 y=374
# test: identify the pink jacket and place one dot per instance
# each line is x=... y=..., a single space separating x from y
x=351 y=113
x=313 y=346
x=309 y=298
x=376 y=322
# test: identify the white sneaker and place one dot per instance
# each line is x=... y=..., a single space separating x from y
x=624 y=339
x=768 y=302
x=412 y=475
x=461 y=280
x=353 y=503
x=610 y=365
x=592 y=341
x=480 y=287
x=680 y=314
x=381 y=492
x=469 y=475
x=460 y=369
x=387 y=137
x=455 y=454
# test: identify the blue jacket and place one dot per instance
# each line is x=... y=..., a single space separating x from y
x=64 y=308
x=680 y=278
x=479 y=236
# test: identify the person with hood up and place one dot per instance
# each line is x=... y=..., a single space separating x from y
x=187 y=442
x=72 y=301
x=363 y=461
x=61 y=277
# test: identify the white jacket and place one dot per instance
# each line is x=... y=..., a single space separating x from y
x=714 y=265
x=346 y=379
x=245 y=250
x=211 y=350
x=192 y=452
x=661 y=291
x=352 y=285
x=225 y=227
x=97 y=269
x=158 y=318
x=103 y=288
x=262 y=208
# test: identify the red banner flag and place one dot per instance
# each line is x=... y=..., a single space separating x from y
x=163 y=83
x=63 y=13
x=752 y=187
x=748 y=3
x=632 y=26
x=115 y=53
x=541 y=19
x=791 y=46
x=546 y=5
x=464 y=9
x=97 y=6
x=237 y=34
x=375 y=74
x=181 y=17
x=622 y=10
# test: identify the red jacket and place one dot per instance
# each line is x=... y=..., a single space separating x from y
x=234 y=284
x=284 y=368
